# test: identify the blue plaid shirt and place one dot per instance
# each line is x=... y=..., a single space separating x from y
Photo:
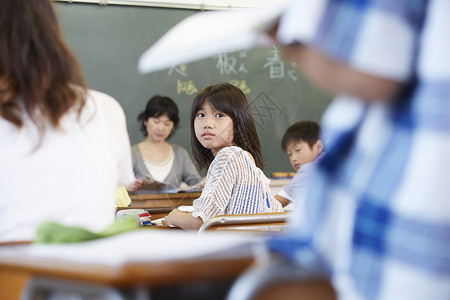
x=378 y=208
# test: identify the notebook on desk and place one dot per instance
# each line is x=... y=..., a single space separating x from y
x=149 y=184
x=197 y=188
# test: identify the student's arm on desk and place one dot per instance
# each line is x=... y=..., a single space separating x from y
x=282 y=200
x=182 y=219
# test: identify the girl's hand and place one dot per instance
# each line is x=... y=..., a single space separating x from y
x=182 y=219
x=169 y=219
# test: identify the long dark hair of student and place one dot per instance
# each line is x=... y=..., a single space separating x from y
x=230 y=100
x=155 y=108
x=37 y=70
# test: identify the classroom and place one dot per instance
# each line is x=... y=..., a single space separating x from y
x=371 y=74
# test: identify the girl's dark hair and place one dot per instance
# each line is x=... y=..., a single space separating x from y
x=38 y=72
x=306 y=131
x=156 y=107
x=230 y=100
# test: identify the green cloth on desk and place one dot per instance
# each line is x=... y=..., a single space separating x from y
x=51 y=232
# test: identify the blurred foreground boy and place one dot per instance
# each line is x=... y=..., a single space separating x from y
x=378 y=219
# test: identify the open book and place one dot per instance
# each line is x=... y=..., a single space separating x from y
x=206 y=34
x=184 y=188
x=153 y=185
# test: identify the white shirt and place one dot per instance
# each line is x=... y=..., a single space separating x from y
x=159 y=171
x=71 y=177
x=295 y=190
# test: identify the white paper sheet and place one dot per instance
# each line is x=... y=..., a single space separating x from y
x=186 y=208
x=159 y=222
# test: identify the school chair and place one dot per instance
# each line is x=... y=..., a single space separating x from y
x=273 y=278
x=262 y=222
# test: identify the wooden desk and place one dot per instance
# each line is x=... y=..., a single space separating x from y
x=171 y=200
x=17 y=266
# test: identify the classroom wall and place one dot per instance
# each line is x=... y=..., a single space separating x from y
x=108 y=41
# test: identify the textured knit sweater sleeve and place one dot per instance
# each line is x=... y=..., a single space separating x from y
x=218 y=187
x=234 y=185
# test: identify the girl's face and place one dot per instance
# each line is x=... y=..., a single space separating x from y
x=213 y=129
x=159 y=129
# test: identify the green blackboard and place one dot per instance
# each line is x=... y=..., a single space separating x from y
x=108 y=41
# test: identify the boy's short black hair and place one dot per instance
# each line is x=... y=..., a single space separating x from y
x=306 y=131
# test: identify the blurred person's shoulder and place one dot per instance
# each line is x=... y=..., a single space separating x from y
x=105 y=101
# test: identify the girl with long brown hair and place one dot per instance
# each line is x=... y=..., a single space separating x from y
x=224 y=140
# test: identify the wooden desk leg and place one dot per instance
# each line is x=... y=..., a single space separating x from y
x=12 y=283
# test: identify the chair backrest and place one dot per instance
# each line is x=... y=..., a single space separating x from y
x=247 y=222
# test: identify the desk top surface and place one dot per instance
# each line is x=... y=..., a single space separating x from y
x=153 y=272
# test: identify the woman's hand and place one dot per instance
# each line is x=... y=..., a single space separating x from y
x=134 y=186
